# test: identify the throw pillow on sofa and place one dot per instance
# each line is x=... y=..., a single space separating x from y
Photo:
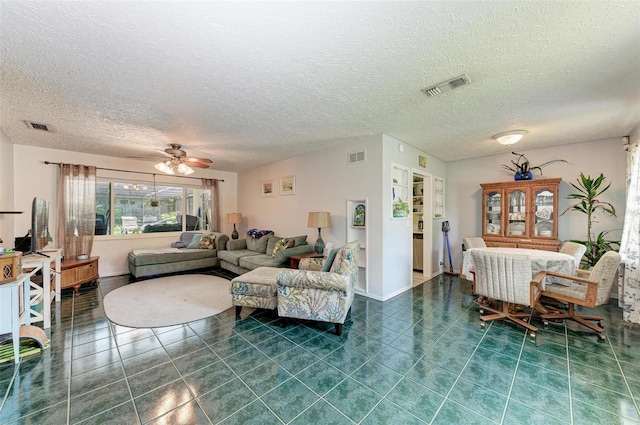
x=207 y=241
x=282 y=244
x=299 y=240
x=194 y=242
x=330 y=258
x=258 y=245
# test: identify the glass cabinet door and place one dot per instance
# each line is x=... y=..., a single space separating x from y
x=517 y=215
x=493 y=212
x=543 y=214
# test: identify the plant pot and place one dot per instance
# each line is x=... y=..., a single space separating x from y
x=399 y=213
x=523 y=176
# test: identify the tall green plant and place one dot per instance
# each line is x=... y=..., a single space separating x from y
x=589 y=189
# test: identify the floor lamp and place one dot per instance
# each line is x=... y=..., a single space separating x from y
x=319 y=220
x=234 y=218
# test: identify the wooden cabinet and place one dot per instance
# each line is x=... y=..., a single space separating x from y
x=522 y=214
x=76 y=272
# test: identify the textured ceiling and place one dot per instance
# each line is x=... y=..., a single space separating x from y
x=248 y=83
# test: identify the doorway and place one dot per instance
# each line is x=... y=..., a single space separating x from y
x=422 y=224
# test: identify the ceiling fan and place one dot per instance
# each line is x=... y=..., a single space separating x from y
x=179 y=161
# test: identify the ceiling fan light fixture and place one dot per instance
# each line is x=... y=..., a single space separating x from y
x=164 y=166
x=510 y=137
x=184 y=169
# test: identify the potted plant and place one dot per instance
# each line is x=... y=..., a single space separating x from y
x=589 y=189
x=522 y=168
x=400 y=208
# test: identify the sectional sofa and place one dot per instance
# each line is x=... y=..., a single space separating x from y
x=244 y=255
x=194 y=250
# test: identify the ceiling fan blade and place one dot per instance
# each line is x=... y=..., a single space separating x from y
x=205 y=160
x=197 y=164
x=163 y=153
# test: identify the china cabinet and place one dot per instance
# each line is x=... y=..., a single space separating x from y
x=522 y=214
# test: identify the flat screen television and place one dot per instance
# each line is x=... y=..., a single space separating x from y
x=39 y=225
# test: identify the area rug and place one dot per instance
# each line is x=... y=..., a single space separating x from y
x=167 y=301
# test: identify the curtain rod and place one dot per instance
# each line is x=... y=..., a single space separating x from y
x=135 y=172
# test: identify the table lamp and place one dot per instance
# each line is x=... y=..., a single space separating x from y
x=319 y=220
x=234 y=218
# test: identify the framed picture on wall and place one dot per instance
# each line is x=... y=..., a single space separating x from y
x=422 y=161
x=267 y=188
x=288 y=185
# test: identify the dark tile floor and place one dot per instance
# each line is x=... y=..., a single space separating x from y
x=419 y=358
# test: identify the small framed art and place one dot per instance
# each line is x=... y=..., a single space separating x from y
x=267 y=188
x=288 y=185
x=422 y=161
x=359 y=216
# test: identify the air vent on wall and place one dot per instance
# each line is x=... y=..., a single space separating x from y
x=445 y=86
x=357 y=157
x=36 y=126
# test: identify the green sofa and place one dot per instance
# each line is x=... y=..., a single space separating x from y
x=177 y=258
x=244 y=255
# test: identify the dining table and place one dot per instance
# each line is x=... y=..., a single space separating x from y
x=541 y=260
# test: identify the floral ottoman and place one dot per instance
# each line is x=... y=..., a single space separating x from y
x=257 y=289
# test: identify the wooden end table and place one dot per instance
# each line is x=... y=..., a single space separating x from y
x=294 y=260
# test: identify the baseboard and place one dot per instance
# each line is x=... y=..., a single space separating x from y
x=379 y=298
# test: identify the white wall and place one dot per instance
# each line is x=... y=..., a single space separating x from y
x=398 y=233
x=34 y=178
x=324 y=182
x=6 y=190
x=464 y=203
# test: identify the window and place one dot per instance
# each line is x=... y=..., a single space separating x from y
x=130 y=207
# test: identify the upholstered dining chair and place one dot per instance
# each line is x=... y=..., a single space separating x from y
x=504 y=279
x=468 y=243
x=592 y=291
x=574 y=249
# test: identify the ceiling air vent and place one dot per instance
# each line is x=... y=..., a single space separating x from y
x=445 y=86
x=36 y=126
x=357 y=157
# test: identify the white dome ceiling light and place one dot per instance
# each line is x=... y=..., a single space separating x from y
x=510 y=137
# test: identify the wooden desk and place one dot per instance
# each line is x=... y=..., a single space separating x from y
x=294 y=260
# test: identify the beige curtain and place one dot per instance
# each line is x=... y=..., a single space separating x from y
x=629 y=289
x=213 y=212
x=76 y=209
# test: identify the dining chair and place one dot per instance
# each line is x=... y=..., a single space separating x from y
x=576 y=250
x=468 y=243
x=505 y=279
x=590 y=292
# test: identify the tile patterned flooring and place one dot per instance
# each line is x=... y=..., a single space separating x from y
x=419 y=358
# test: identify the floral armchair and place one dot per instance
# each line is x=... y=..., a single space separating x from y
x=320 y=295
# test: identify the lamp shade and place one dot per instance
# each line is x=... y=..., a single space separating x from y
x=319 y=220
x=234 y=218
